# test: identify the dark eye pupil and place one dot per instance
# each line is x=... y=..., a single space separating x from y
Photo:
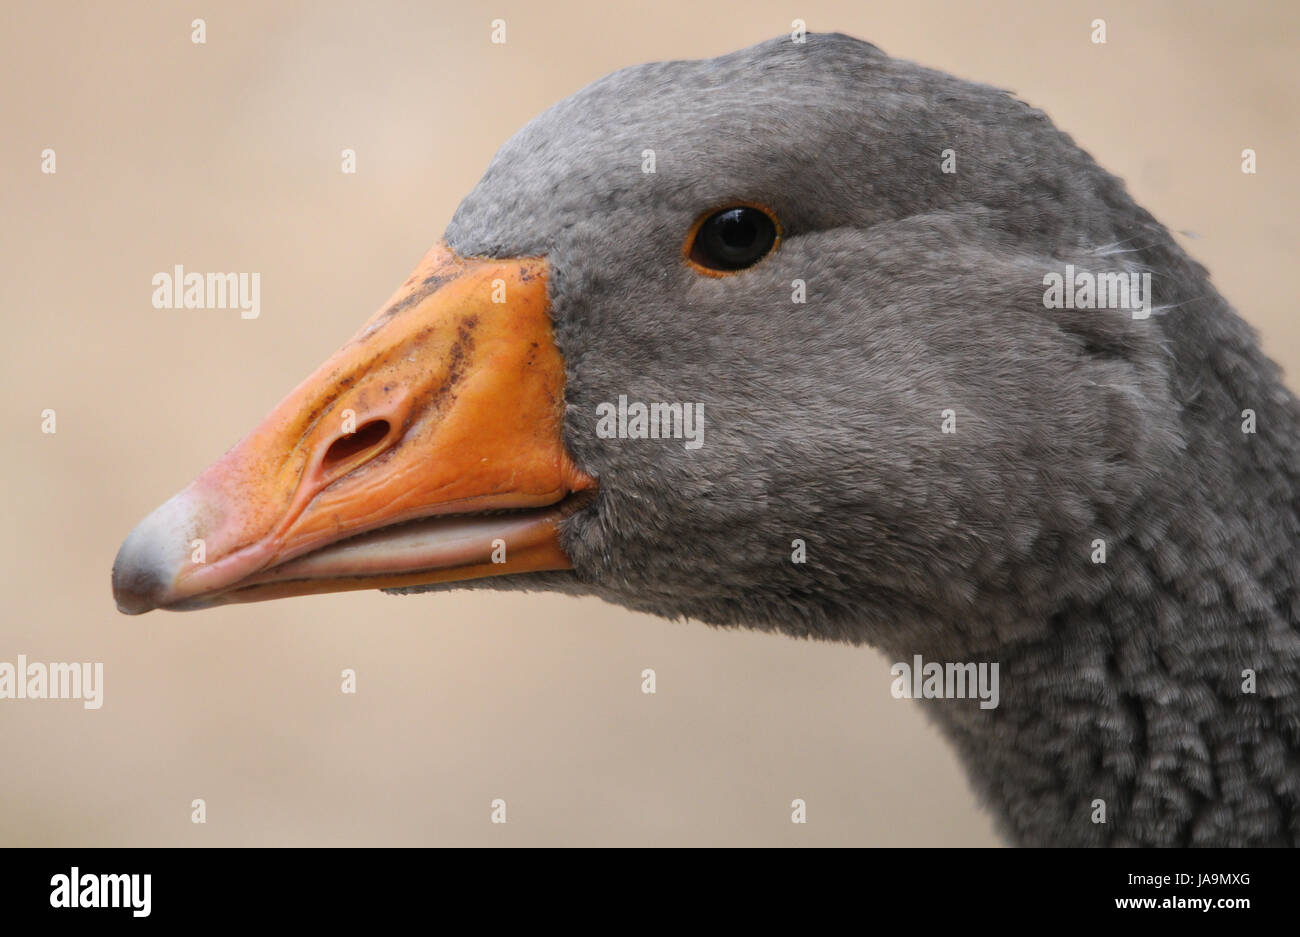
x=737 y=231
x=733 y=239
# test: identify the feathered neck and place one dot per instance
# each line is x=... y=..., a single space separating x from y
x=1164 y=697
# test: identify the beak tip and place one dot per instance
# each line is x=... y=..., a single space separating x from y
x=144 y=571
x=137 y=586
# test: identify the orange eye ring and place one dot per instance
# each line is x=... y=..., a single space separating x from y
x=703 y=257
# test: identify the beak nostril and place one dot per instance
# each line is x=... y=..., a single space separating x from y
x=345 y=447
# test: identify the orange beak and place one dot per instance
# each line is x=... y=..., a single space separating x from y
x=427 y=449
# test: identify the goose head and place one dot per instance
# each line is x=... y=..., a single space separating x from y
x=832 y=263
x=881 y=292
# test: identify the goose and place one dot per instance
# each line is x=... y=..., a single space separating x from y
x=834 y=262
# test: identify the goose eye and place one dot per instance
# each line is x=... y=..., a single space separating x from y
x=732 y=239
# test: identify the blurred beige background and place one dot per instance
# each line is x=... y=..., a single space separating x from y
x=225 y=156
